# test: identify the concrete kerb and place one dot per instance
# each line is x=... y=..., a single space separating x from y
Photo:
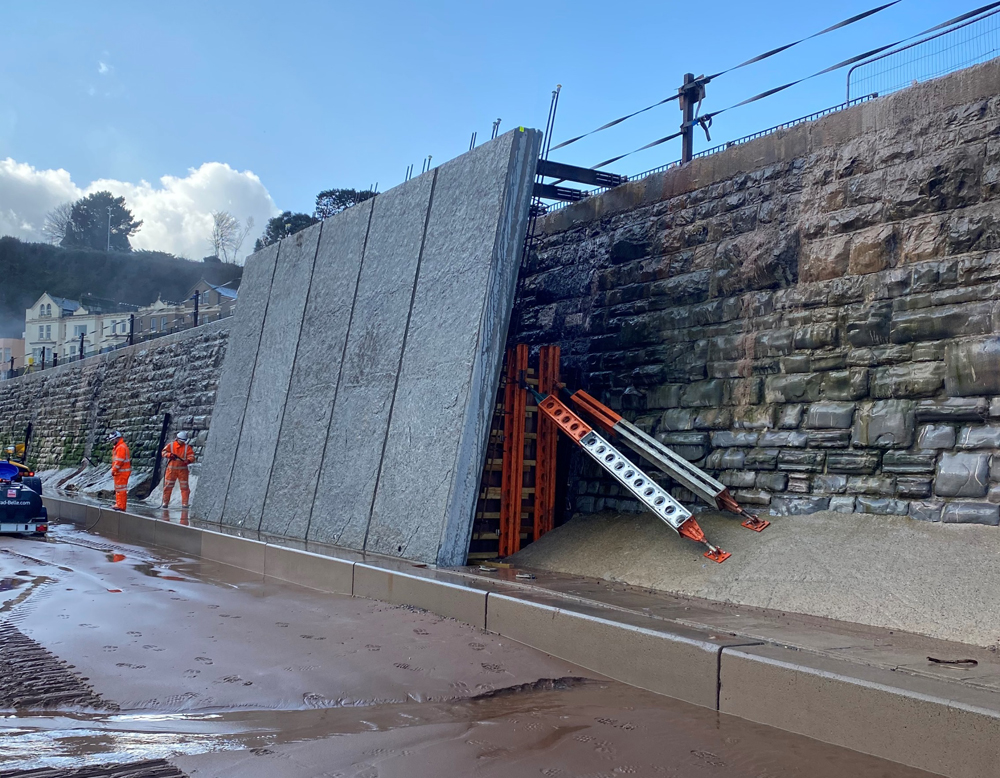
x=925 y=723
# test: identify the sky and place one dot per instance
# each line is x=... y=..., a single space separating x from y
x=253 y=107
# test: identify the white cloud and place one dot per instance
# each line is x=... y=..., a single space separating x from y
x=103 y=68
x=176 y=213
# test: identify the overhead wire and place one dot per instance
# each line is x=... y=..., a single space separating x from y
x=751 y=61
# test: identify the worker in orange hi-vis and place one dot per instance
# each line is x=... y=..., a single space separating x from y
x=179 y=455
x=121 y=469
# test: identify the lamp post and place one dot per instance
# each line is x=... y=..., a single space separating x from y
x=109 y=228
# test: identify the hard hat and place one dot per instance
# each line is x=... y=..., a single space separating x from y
x=114 y=435
x=182 y=436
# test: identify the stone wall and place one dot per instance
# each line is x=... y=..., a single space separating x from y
x=74 y=406
x=812 y=316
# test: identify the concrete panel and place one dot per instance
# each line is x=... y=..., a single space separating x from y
x=186 y=540
x=53 y=507
x=234 y=386
x=231 y=550
x=103 y=521
x=678 y=663
x=454 y=349
x=269 y=386
x=310 y=570
x=73 y=511
x=312 y=392
x=132 y=528
x=370 y=365
x=921 y=722
x=441 y=597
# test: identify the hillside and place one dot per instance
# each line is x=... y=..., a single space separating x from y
x=29 y=269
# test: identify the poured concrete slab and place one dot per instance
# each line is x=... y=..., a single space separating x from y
x=312 y=392
x=454 y=349
x=276 y=356
x=370 y=366
x=234 y=385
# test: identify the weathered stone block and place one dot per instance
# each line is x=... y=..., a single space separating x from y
x=790 y=416
x=829 y=484
x=829 y=415
x=829 y=438
x=953 y=409
x=801 y=461
x=753 y=417
x=881 y=505
x=798 y=484
x=948 y=321
x=926 y=511
x=713 y=419
x=917 y=379
x=738 y=479
x=842 y=504
x=870 y=324
x=824 y=335
x=773 y=482
x=859 y=462
x=798 y=506
x=752 y=497
x=971 y=513
x=727 y=439
x=936 y=436
x=726 y=459
x=710 y=393
x=909 y=486
x=824 y=361
x=962 y=475
x=871 y=484
x=761 y=459
x=884 y=424
x=784 y=438
x=802 y=387
x=908 y=463
x=799 y=363
x=678 y=419
x=846 y=384
x=979 y=437
x=973 y=367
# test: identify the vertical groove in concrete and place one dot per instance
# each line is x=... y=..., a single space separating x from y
x=402 y=354
x=340 y=369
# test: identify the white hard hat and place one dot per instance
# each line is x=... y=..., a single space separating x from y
x=114 y=435
x=182 y=436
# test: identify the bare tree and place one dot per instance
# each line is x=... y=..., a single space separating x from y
x=57 y=223
x=228 y=234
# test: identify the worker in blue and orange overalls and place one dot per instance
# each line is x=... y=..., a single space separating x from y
x=179 y=455
x=121 y=469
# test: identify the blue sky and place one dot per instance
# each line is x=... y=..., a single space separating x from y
x=310 y=95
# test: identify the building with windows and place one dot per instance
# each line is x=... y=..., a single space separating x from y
x=11 y=348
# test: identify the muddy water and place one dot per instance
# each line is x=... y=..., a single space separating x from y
x=226 y=675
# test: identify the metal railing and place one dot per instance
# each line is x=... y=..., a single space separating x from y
x=970 y=43
x=730 y=144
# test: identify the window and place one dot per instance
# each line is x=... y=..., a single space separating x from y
x=152 y=325
x=41 y=332
x=163 y=323
x=6 y=355
x=79 y=329
x=48 y=332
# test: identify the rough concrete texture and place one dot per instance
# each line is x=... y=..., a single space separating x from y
x=883 y=571
x=234 y=384
x=836 y=280
x=401 y=418
x=312 y=392
x=434 y=451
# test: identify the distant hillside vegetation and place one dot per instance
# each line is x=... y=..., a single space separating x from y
x=139 y=277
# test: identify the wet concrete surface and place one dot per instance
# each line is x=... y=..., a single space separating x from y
x=225 y=674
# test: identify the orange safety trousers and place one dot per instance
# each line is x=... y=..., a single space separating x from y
x=176 y=472
x=121 y=469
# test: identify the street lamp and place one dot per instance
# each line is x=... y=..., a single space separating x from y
x=109 y=228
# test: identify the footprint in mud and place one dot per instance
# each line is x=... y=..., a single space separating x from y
x=192 y=673
x=211 y=606
x=460 y=686
x=404 y=666
x=421 y=632
x=110 y=648
x=604 y=747
x=281 y=623
x=179 y=699
x=312 y=637
x=134 y=634
x=314 y=700
x=88 y=626
x=63 y=616
x=477 y=646
x=231 y=679
x=203 y=659
x=130 y=666
x=626 y=769
x=261 y=751
x=492 y=668
x=154 y=648
x=582 y=738
x=628 y=726
x=707 y=756
x=371 y=647
x=229 y=616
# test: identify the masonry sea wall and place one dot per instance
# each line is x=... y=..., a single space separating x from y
x=812 y=315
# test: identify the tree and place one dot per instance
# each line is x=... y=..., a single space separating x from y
x=333 y=201
x=228 y=235
x=57 y=223
x=282 y=226
x=100 y=221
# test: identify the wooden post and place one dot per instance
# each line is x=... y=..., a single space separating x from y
x=545 y=467
x=515 y=401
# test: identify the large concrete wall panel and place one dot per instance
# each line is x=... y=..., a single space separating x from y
x=234 y=385
x=312 y=392
x=269 y=386
x=447 y=383
x=371 y=364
